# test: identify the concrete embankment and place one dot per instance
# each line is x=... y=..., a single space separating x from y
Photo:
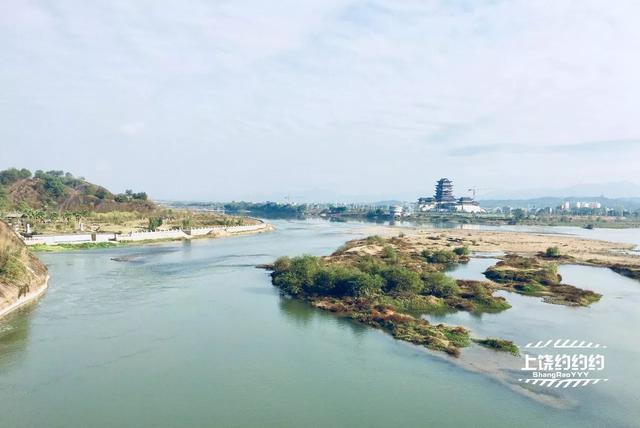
x=158 y=235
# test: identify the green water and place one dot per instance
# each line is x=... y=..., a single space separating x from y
x=191 y=334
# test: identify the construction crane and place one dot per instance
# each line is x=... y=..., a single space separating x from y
x=475 y=189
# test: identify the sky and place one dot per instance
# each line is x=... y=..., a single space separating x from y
x=322 y=99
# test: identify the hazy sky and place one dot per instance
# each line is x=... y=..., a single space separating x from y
x=255 y=99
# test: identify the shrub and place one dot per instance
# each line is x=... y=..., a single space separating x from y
x=552 y=252
x=461 y=251
x=288 y=282
x=353 y=282
x=11 y=267
x=389 y=254
x=371 y=265
x=296 y=275
x=282 y=264
x=375 y=239
x=439 y=256
x=399 y=279
x=440 y=285
x=154 y=223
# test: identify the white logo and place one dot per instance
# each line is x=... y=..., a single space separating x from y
x=564 y=363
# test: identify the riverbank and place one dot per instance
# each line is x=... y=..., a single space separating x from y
x=57 y=243
x=25 y=299
x=23 y=277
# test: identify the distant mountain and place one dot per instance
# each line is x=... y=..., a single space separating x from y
x=552 y=201
x=614 y=190
x=57 y=190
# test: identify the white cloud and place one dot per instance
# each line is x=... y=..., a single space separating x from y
x=322 y=92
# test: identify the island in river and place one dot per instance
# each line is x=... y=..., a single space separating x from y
x=390 y=282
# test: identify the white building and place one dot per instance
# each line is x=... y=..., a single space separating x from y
x=396 y=211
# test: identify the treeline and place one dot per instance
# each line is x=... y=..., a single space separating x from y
x=267 y=209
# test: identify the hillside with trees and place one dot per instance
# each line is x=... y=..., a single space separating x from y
x=55 y=190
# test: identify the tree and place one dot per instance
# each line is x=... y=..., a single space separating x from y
x=519 y=214
x=11 y=175
x=101 y=193
x=140 y=196
x=53 y=186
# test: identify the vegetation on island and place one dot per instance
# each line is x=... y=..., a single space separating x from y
x=499 y=345
x=632 y=272
x=534 y=277
x=385 y=284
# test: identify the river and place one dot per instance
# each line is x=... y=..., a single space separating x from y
x=192 y=334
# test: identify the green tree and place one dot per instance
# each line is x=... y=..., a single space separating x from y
x=519 y=214
x=53 y=186
x=399 y=279
x=440 y=285
x=11 y=175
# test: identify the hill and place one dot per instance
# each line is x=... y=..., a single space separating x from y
x=62 y=191
x=553 y=201
x=22 y=276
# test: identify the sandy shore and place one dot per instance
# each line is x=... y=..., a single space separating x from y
x=587 y=251
x=26 y=299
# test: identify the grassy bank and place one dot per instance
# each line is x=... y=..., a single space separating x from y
x=44 y=248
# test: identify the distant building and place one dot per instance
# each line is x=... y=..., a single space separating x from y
x=444 y=194
x=591 y=205
x=396 y=211
x=426 y=204
x=444 y=200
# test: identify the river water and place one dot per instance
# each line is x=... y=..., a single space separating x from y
x=192 y=334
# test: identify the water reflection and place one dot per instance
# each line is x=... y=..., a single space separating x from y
x=14 y=334
x=298 y=312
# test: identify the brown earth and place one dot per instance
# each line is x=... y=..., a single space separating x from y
x=22 y=275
